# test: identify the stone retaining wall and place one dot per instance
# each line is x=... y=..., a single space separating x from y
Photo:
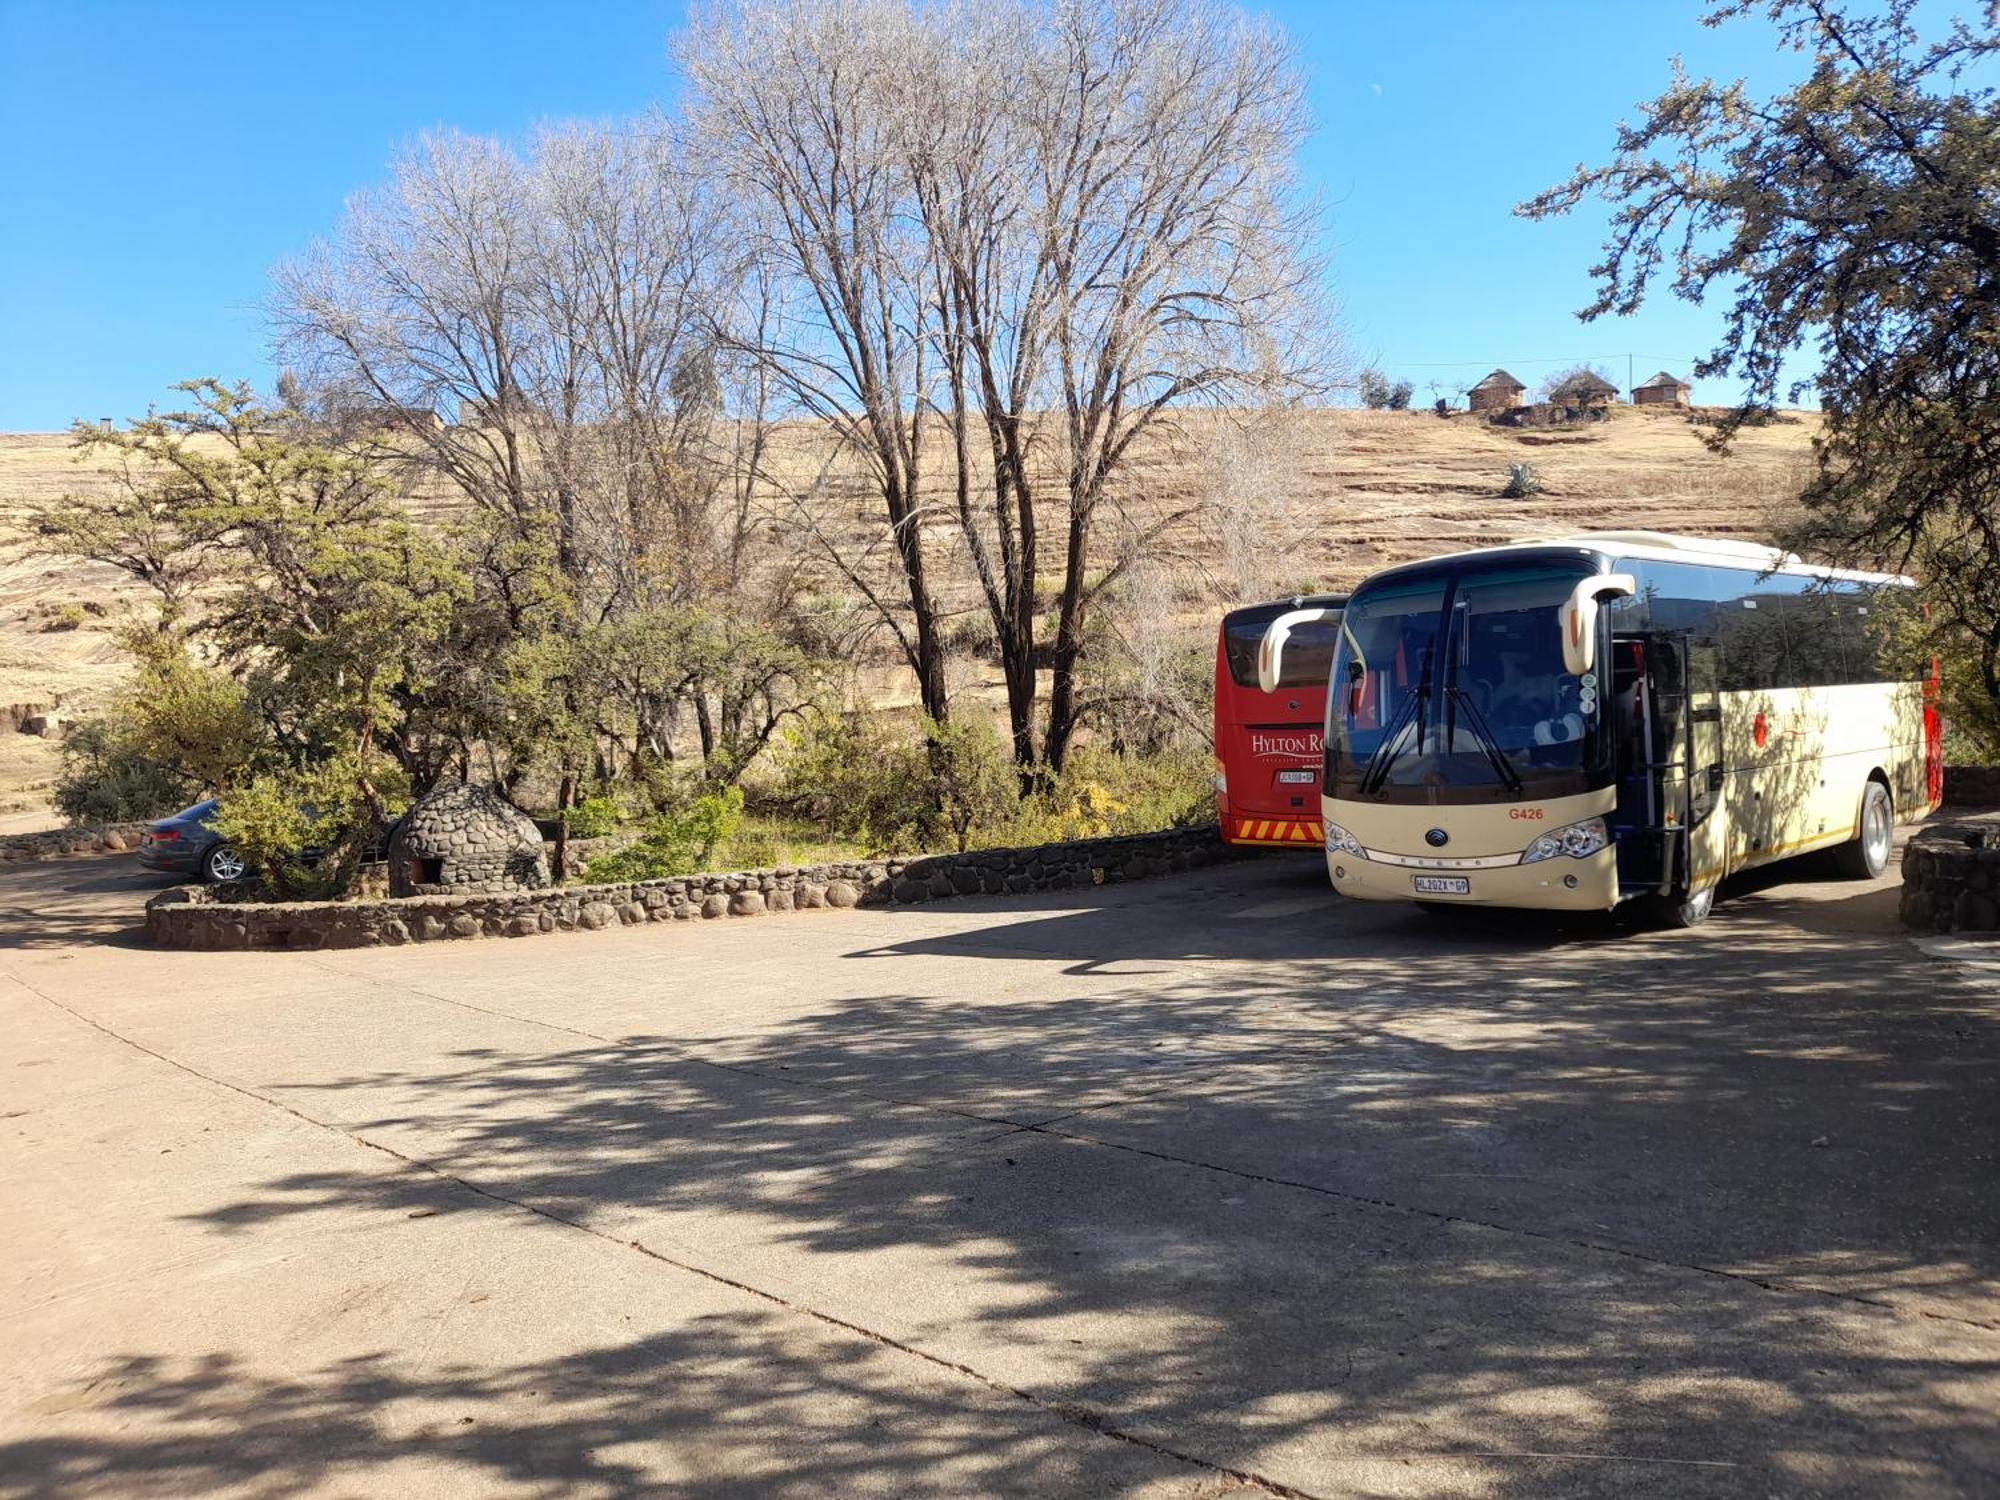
x=53 y=843
x=189 y=917
x=1972 y=786
x=1951 y=876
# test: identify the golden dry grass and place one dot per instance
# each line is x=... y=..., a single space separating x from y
x=1357 y=491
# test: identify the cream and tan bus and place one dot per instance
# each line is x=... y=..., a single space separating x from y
x=1611 y=717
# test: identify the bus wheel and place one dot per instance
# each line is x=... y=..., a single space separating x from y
x=1684 y=910
x=1866 y=855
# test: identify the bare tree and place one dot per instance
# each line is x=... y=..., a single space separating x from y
x=539 y=331
x=1113 y=232
x=790 y=97
x=564 y=305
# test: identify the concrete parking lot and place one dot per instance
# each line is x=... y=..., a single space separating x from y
x=1201 y=1186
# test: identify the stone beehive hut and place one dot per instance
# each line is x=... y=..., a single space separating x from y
x=466 y=838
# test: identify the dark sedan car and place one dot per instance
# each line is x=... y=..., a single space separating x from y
x=186 y=845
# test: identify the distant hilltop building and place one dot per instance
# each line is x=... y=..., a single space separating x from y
x=1496 y=392
x=1583 y=390
x=1662 y=390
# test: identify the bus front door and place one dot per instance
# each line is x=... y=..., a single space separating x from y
x=1667 y=737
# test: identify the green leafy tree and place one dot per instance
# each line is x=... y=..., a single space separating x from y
x=1854 y=217
x=167 y=507
x=194 y=720
x=303 y=830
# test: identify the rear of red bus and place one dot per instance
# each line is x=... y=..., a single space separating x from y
x=1267 y=745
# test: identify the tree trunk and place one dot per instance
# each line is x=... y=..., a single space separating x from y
x=563 y=794
x=1069 y=648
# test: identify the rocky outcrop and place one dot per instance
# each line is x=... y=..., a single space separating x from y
x=191 y=917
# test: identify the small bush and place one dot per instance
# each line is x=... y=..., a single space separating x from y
x=1522 y=481
x=1399 y=395
x=1373 y=387
x=107 y=778
x=860 y=776
x=678 y=842
x=303 y=831
x=69 y=617
x=595 y=818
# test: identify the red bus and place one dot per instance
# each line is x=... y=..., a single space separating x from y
x=1268 y=745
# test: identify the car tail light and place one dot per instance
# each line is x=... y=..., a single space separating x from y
x=164 y=836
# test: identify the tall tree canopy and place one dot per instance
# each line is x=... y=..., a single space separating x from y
x=1857 y=216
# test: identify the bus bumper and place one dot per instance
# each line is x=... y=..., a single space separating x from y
x=1560 y=884
x=1273 y=833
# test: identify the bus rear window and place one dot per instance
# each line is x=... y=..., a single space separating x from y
x=1308 y=654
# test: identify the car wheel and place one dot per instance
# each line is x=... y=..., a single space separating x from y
x=222 y=863
x=1866 y=855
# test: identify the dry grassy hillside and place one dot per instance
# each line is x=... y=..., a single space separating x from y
x=1345 y=492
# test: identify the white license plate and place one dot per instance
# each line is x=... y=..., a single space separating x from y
x=1442 y=885
x=1295 y=778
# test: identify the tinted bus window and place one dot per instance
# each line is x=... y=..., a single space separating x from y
x=1780 y=630
x=1308 y=654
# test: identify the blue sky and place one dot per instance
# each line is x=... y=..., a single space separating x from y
x=156 y=160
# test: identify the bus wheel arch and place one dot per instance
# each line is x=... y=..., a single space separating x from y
x=1866 y=855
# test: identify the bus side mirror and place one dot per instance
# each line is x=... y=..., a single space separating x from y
x=1271 y=650
x=1579 y=617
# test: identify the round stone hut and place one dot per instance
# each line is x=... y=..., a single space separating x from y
x=462 y=838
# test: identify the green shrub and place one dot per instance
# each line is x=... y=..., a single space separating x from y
x=1523 y=480
x=107 y=778
x=678 y=842
x=1102 y=792
x=859 y=776
x=69 y=617
x=303 y=831
x=595 y=818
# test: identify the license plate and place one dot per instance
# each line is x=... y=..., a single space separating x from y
x=1443 y=885
x=1295 y=778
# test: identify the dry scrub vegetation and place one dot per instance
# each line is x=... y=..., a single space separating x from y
x=1312 y=498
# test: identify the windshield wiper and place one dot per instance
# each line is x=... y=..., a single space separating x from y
x=1386 y=753
x=1496 y=757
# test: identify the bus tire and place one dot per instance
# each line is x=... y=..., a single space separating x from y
x=1866 y=855
x=1688 y=909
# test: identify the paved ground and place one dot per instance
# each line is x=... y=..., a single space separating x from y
x=1189 y=1188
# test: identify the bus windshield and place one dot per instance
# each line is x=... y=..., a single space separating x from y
x=1308 y=654
x=1449 y=686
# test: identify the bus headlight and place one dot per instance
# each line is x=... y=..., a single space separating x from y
x=1340 y=841
x=1577 y=841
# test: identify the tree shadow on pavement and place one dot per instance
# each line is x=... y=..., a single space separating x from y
x=1344 y=1200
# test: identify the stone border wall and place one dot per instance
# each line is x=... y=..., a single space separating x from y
x=190 y=917
x=1951 y=876
x=1972 y=786
x=54 y=843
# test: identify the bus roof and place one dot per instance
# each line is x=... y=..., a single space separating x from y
x=1289 y=601
x=1661 y=546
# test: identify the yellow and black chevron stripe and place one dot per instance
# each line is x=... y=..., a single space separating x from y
x=1277 y=833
